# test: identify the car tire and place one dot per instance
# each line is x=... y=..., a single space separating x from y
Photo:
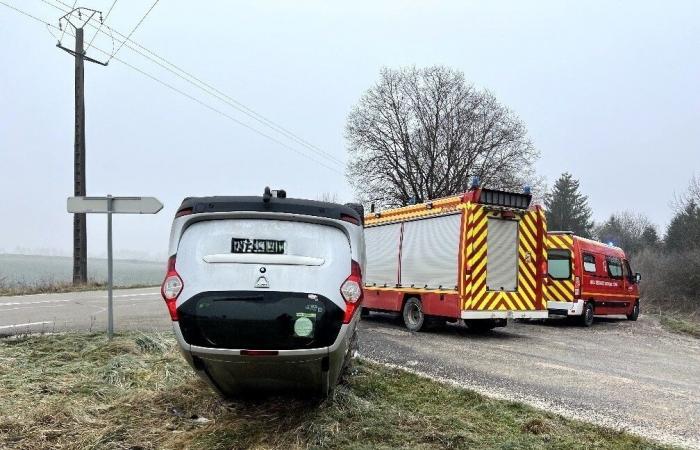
x=412 y=314
x=635 y=312
x=364 y=312
x=587 y=315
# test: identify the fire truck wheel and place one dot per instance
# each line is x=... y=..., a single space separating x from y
x=587 y=315
x=413 y=315
x=635 y=312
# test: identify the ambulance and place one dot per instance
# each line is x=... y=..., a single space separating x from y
x=479 y=257
x=586 y=278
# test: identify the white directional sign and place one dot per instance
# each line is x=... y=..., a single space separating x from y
x=120 y=205
x=112 y=205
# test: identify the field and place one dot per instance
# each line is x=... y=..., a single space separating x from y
x=81 y=391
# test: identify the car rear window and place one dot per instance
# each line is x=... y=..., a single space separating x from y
x=559 y=264
x=261 y=320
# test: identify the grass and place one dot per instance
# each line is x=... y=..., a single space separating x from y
x=680 y=325
x=56 y=288
x=82 y=391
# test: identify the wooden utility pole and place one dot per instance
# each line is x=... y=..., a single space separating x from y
x=79 y=220
x=83 y=16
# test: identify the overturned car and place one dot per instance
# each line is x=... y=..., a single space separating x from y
x=263 y=291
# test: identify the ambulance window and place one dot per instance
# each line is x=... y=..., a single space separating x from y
x=559 y=264
x=627 y=270
x=589 y=262
x=614 y=268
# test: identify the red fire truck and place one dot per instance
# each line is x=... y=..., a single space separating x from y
x=587 y=278
x=479 y=256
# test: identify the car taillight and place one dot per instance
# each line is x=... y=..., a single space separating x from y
x=351 y=290
x=577 y=286
x=183 y=212
x=349 y=218
x=171 y=288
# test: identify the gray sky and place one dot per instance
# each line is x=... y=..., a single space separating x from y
x=609 y=91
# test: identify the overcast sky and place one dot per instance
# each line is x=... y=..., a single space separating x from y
x=609 y=90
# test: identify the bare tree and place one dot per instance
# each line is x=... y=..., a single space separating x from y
x=691 y=195
x=424 y=133
x=633 y=232
x=331 y=197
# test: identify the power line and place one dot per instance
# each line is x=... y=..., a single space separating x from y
x=102 y=21
x=214 y=92
x=63 y=33
x=134 y=29
x=29 y=15
x=195 y=99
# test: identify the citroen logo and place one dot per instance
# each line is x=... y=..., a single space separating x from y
x=262 y=282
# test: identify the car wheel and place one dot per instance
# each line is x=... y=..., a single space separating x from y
x=364 y=312
x=587 y=314
x=413 y=316
x=635 y=312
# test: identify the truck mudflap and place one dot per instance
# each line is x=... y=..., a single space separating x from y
x=268 y=320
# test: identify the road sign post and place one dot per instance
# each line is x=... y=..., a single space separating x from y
x=112 y=205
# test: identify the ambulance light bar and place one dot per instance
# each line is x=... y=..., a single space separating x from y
x=507 y=199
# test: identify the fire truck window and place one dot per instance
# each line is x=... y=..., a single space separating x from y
x=614 y=268
x=589 y=263
x=559 y=264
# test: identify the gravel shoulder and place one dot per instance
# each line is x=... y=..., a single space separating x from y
x=629 y=376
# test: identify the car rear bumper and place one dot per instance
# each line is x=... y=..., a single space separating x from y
x=315 y=370
x=574 y=308
x=532 y=314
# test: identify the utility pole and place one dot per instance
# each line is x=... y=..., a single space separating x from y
x=79 y=220
x=77 y=19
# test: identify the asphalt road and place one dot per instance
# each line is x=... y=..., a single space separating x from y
x=628 y=375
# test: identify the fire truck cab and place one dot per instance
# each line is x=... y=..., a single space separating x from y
x=587 y=278
x=478 y=257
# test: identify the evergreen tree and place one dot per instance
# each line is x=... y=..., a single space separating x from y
x=567 y=209
x=650 y=238
x=683 y=233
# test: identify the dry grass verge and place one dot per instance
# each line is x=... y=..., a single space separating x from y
x=57 y=288
x=81 y=391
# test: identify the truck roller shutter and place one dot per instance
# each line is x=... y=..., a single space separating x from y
x=502 y=255
x=382 y=247
x=430 y=251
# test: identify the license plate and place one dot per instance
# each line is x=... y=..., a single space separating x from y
x=269 y=246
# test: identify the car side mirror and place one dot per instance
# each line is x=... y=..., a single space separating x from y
x=637 y=277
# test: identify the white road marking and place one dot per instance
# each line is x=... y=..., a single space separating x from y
x=23 y=325
x=77 y=299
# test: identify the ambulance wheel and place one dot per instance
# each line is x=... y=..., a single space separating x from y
x=587 y=314
x=635 y=312
x=413 y=316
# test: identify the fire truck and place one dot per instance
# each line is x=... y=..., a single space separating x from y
x=479 y=257
x=587 y=278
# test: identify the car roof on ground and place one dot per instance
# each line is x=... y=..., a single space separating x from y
x=315 y=208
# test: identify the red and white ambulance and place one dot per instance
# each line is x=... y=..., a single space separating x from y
x=478 y=256
x=587 y=278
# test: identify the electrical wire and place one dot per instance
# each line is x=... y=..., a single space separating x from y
x=195 y=99
x=102 y=21
x=134 y=29
x=214 y=92
x=63 y=33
